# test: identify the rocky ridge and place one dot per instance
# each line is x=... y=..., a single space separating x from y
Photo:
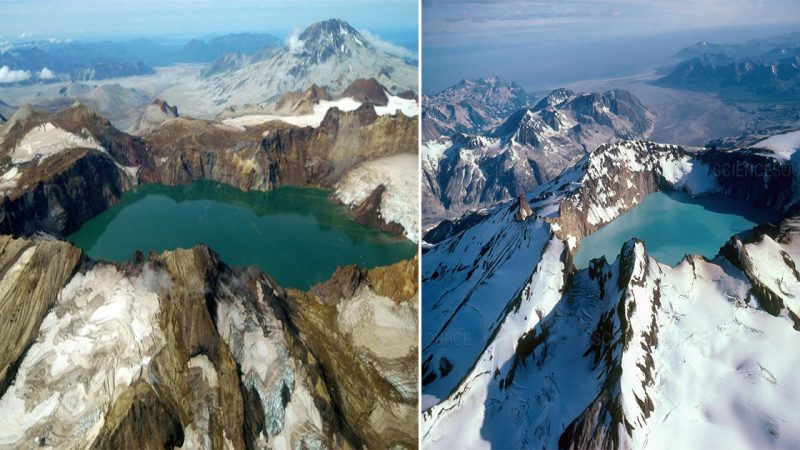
x=154 y=115
x=471 y=107
x=532 y=146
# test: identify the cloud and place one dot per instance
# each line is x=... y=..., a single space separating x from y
x=295 y=44
x=25 y=35
x=449 y=23
x=386 y=46
x=46 y=74
x=12 y=76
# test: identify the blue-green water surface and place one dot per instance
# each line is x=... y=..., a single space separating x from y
x=295 y=234
x=672 y=224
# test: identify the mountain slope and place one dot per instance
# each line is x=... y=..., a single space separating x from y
x=178 y=349
x=529 y=148
x=331 y=54
x=520 y=350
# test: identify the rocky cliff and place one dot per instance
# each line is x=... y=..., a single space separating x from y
x=60 y=169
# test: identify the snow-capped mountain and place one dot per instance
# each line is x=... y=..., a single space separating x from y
x=471 y=107
x=530 y=147
x=331 y=54
x=521 y=350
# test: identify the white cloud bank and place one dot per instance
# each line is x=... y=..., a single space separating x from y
x=46 y=74
x=386 y=46
x=12 y=76
x=295 y=44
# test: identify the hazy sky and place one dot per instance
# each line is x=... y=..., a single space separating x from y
x=538 y=43
x=92 y=19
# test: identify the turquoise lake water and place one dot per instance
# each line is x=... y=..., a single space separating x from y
x=673 y=224
x=295 y=234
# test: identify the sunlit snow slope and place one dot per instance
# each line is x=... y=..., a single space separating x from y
x=522 y=351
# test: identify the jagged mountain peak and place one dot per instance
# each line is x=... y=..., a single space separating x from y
x=554 y=98
x=529 y=147
x=322 y=40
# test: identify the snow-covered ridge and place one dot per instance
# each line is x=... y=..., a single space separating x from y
x=47 y=140
x=408 y=107
x=635 y=354
x=783 y=145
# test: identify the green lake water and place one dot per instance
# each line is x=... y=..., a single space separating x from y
x=295 y=234
x=672 y=224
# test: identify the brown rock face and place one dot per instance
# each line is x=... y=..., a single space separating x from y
x=32 y=276
x=368 y=212
x=228 y=358
x=61 y=193
x=263 y=158
x=373 y=385
x=299 y=103
x=367 y=90
x=524 y=210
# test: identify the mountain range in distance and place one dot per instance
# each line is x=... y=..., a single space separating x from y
x=53 y=61
x=484 y=144
x=50 y=61
x=760 y=70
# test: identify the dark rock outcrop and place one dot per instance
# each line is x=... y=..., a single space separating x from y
x=368 y=212
x=367 y=90
x=64 y=192
x=524 y=210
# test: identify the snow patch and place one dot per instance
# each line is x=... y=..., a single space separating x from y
x=306 y=120
x=783 y=145
x=98 y=338
x=47 y=140
x=400 y=174
x=409 y=107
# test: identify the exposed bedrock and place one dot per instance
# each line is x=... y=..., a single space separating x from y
x=62 y=193
x=54 y=189
x=178 y=349
x=369 y=356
